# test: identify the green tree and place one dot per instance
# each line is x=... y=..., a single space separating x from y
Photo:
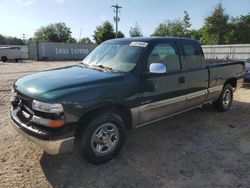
x=120 y=34
x=6 y=40
x=71 y=40
x=238 y=30
x=14 y=41
x=161 y=30
x=232 y=35
x=186 y=24
x=2 y=39
x=31 y=39
x=104 y=32
x=85 y=40
x=170 y=28
x=205 y=37
x=194 y=34
x=57 y=32
x=244 y=29
x=215 y=26
x=135 y=31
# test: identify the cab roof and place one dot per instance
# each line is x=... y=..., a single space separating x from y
x=150 y=39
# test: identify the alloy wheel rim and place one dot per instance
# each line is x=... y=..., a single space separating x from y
x=226 y=98
x=105 y=139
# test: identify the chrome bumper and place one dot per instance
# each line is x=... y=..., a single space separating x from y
x=52 y=147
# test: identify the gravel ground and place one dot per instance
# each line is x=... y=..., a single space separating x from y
x=200 y=148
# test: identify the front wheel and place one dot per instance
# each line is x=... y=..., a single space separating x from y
x=103 y=138
x=224 y=102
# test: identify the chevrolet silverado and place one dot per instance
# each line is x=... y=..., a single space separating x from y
x=121 y=85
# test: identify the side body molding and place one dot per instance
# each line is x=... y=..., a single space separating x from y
x=161 y=107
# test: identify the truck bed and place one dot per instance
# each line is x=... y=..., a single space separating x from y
x=219 y=71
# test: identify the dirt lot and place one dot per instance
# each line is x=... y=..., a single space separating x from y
x=200 y=148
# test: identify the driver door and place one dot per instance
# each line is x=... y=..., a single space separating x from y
x=163 y=94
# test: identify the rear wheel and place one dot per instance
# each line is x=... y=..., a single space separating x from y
x=103 y=138
x=225 y=100
x=4 y=59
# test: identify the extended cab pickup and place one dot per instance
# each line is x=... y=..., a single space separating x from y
x=122 y=84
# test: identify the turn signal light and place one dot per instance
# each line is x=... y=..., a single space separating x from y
x=56 y=123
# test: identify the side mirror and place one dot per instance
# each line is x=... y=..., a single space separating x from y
x=157 y=68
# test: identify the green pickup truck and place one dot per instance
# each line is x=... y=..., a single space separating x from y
x=123 y=84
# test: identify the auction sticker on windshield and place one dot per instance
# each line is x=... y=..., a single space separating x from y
x=139 y=44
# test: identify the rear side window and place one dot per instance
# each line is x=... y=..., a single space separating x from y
x=192 y=55
x=165 y=53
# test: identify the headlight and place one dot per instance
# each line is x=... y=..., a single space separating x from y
x=47 y=107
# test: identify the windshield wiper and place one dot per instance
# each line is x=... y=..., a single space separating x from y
x=84 y=64
x=105 y=68
x=99 y=67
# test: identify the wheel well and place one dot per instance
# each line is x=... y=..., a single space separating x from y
x=232 y=82
x=125 y=113
x=122 y=110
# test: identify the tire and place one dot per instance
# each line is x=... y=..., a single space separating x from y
x=224 y=102
x=4 y=59
x=103 y=138
x=16 y=60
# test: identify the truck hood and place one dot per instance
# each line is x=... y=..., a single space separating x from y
x=48 y=85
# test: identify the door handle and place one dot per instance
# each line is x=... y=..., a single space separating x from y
x=182 y=79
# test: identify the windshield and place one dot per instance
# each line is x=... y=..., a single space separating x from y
x=115 y=56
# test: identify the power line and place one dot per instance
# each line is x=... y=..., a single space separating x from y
x=116 y=18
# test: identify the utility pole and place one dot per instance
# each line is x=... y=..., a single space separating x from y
x=116 y=18
x=24 y=37
x=80 y=35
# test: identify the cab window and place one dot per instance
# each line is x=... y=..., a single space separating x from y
x=167 y=54
x=192 y=55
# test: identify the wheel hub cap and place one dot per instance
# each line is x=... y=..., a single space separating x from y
x=226 y=98
x=105 y=139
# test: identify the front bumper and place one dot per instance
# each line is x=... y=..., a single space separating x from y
x=43 y=138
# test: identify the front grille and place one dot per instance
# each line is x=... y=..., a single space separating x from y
x=22 y=108
x=25 y=104
x=25 y=101
x=49 y=115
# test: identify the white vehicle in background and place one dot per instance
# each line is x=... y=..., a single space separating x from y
x=10 y=53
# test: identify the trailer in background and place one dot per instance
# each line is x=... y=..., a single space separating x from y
x=57 y=51
x=10 y=53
